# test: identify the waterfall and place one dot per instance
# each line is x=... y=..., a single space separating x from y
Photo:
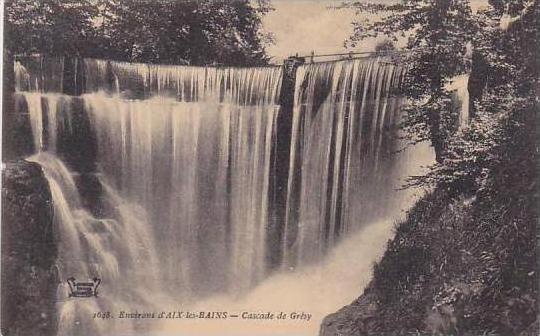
x=39 y=74
x=344 y=165
x=195 y=153
x=459 y=94
x=192 y=148
x=118 y=248
x=161 y=177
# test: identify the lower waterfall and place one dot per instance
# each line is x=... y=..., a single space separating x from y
x=120 y=249
x=161 y=189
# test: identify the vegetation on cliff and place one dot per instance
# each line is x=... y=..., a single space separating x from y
x=461 y=263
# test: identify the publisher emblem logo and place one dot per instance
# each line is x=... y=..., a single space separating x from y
x=83 y=289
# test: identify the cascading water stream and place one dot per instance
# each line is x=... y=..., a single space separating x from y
x=459 y=94
x=117 y=249
x=196 y=155
x=182 y=157
x=344 y=162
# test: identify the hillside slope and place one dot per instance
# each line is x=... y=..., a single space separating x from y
x=462 y=263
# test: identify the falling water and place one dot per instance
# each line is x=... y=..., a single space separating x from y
x=180 y=163
x=39 y=74
x=196 y=155
x=344 y=165
x=117 y=248
x=460 y=98
x=191 y=147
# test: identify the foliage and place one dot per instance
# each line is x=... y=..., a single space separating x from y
x=49 y=26
x=384 y=47
x=442 y=35
x=473 y=154
x=180 y=32
x=439 y=32
x=196 y=32
x=477 y=260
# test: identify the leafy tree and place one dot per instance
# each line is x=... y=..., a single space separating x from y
x=179 y=32
x=49 y=26
x=441 y=34
x=195 y=32
x=506 y=106
x=492 y=164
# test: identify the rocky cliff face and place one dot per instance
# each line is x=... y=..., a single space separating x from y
x=29 y=252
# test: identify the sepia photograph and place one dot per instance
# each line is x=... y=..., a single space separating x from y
x=269 y=168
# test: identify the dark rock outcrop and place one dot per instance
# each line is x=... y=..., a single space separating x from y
x=29 y=252
x=280 y=162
